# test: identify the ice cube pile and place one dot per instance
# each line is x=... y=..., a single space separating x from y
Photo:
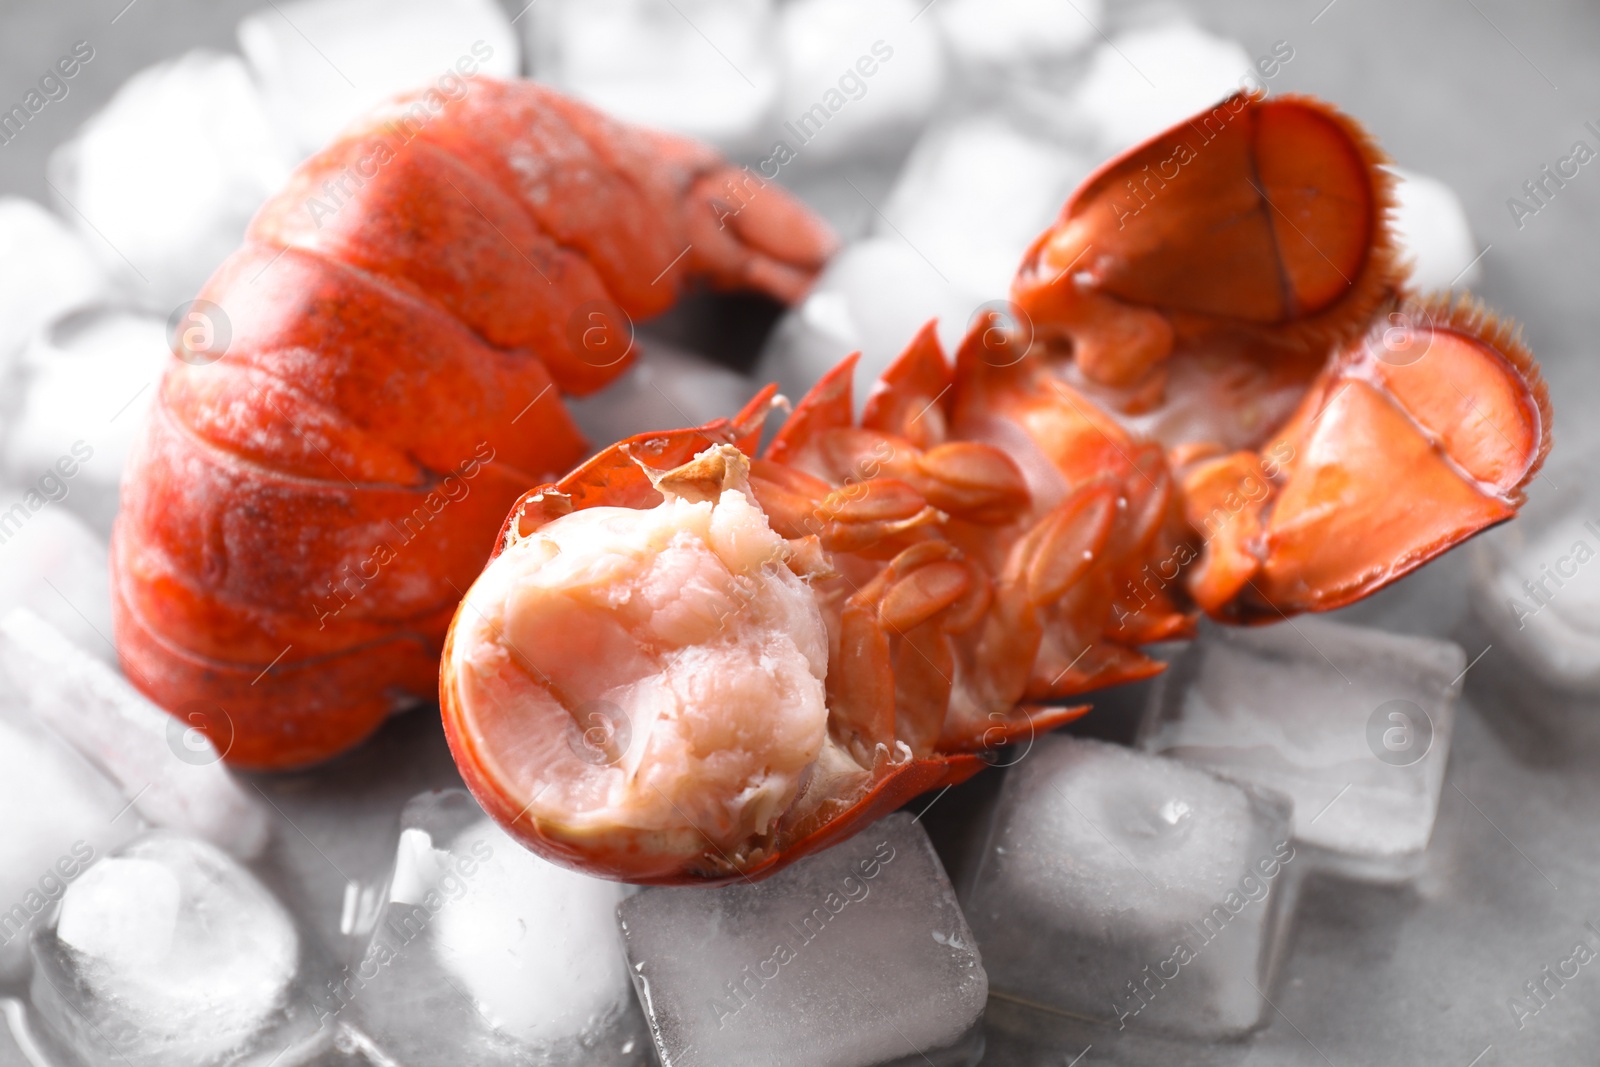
x=1353 y=724
x=1118 y=904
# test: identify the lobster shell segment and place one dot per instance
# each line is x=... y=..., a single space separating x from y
x=308 y=504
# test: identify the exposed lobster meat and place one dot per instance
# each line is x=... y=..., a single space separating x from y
x=303 y=514
x=686 y=664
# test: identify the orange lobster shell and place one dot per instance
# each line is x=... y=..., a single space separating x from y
x=302 y=514
x=1215 y=397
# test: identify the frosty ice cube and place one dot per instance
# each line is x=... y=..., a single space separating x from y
x=68 y=814
x=872 y=298
x=162 y=181
x=855 y=956
x=704 y=68
x=167 y=952
x=45 y=268
x=1131 y=889
x=1431 y=224
x=1143 y=81
x=321 y=63
x=1001 y=36
x=974 y=193
x=88 y=378
x=1354 y=724
x=169 y=769
x=1537 y=583
x=486 y=953
x=667 y=387
x=858 y=78
x=52 y=564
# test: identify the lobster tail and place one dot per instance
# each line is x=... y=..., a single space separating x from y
x=314 y=492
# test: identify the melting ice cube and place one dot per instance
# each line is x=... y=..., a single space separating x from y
x=859 y=77
x=163 y=180
x=68 y=814
x=1354 y=724
x=321 y=63
x=1145 y=80
x=872 y=298
x=1431 y=223
x=704 y=68
x=45 y=268
x=89 y=377
x=853 y=957
x=55 y=566
x=166 y=952
x=487 y=953
x=172 y=774
x=1132 y=889
x=974 y=194
x=1003 y=35
x=1537 y=580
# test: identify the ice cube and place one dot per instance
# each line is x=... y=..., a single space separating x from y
x=855 y=956
x=1131 y=889
x=860 y=77
x=667 y=388
x=321 y=63
x=974 y=194
x=1005 y=35
x=1145 y=80
x=1536 y=584
x=1433 y=230
x=487 y=953
x=67 y=814
x=872 y=298
x=88 y=378
x=55 y=566
x=1354 y=724
x=45 y=268
x=167 y=951
x=704 y=68
x=172 y=772
x=162 y=181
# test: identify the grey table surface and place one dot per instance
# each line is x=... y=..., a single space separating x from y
x=1480 y=93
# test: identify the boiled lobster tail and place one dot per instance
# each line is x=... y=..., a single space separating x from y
x=321 y=480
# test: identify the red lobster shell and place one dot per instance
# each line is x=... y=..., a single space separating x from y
x=303 y=514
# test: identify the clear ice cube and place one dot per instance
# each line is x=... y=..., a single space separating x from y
x=856 y=956
x=88 y=379
x=67 y=814
x=162 y=181
x=1131 y=889
x=1431 y=223
x=166 y=952
x=1145 y=80
x=974 y=194
x=1354 y=724
x=1536 y=582
x=704 y=68
x=667 y=388
x=1003 y=36
x=486 y=953
x=45 y=269
x=859 y=78
x=871 y=298
x=322 y=63
x=170 y=770
x=53 y=565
